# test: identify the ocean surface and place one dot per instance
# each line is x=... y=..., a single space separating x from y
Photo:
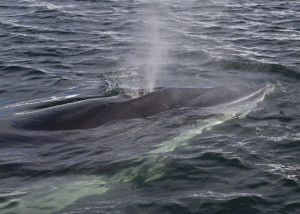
x=235 y=159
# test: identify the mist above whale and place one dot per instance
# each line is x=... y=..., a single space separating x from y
x=96 y=112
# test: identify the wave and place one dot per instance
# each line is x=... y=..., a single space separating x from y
x=250 y=66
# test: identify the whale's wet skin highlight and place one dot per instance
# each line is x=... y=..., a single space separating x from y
x=149 y=106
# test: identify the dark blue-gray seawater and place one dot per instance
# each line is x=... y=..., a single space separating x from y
x=239 y=159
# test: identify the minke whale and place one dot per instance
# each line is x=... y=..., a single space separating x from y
x=96 y=112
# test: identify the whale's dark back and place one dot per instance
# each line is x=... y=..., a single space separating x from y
x=95 y=112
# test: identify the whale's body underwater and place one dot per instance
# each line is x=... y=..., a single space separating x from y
x=56 y=192
x=95 y=112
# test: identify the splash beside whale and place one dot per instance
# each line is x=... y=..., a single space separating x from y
x=96 y=112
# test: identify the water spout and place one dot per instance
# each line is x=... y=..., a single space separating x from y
x=157 y=48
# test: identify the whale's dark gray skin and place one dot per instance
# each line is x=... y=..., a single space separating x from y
x=95 y=112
